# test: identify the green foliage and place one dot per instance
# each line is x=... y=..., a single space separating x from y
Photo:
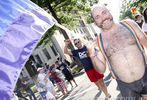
x=69 y=11
x=126 y=8
x=47 y=36
x=126 y=14
x=140 y=4
x=66 y=12
x=89 y=19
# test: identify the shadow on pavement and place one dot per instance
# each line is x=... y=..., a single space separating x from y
x=119 y=97
x=63 y=98
x=97 y=95
x=78 y=93
x=117 y=88
x=77 y=97
x=107 y=80
x=78 y=74
x=80 y=90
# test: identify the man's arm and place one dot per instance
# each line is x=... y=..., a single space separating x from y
x=98 y=60
x=66 y=50
x=139 y=33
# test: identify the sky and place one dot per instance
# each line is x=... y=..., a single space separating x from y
x=114 y=7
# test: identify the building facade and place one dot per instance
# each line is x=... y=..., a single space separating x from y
x=49 y=52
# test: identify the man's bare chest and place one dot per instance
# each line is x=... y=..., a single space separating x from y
x=117 y=40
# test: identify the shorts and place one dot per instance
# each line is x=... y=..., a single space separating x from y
x=93 y=75
x=68 y=77
x=134 y=89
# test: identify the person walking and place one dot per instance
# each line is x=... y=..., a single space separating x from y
x=139 y=20
x=28 y=90
x=45 y=85
x=81 y=53
x=18 y=89
x=66 y=71
x=58 y=77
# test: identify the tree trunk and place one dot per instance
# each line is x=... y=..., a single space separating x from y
x=58 y=20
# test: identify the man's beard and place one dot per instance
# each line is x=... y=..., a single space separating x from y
x=101 y=24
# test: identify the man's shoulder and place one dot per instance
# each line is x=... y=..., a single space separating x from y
x=128 y=21
x=131 y=23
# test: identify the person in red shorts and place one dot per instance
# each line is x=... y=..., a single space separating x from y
x=81 y=53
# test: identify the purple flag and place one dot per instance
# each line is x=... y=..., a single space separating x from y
x=22 y=23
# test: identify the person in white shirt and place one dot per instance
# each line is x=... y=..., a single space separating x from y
x=45 y=85
x=144 y=26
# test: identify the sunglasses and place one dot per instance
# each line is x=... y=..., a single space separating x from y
x=77 y=43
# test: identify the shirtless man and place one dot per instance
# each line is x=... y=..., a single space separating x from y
x=123 y=54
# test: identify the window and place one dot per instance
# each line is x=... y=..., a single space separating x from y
x=54 y=51
x=38 y=59
x=46 y=53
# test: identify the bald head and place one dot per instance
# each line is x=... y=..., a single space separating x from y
x=97 y=7
x=101 y=16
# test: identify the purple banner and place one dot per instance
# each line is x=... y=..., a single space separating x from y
x=22 y=25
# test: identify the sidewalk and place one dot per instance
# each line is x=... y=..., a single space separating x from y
x=88 y=91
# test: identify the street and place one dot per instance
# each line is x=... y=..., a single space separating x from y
x=88 y=91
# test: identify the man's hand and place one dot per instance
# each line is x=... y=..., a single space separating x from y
x=67 y=42
x=91 y=50
x=66 y=51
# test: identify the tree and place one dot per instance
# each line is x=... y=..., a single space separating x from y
x=126 y=7
x=66 y=12
x=125 y=10
x=140 y=4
